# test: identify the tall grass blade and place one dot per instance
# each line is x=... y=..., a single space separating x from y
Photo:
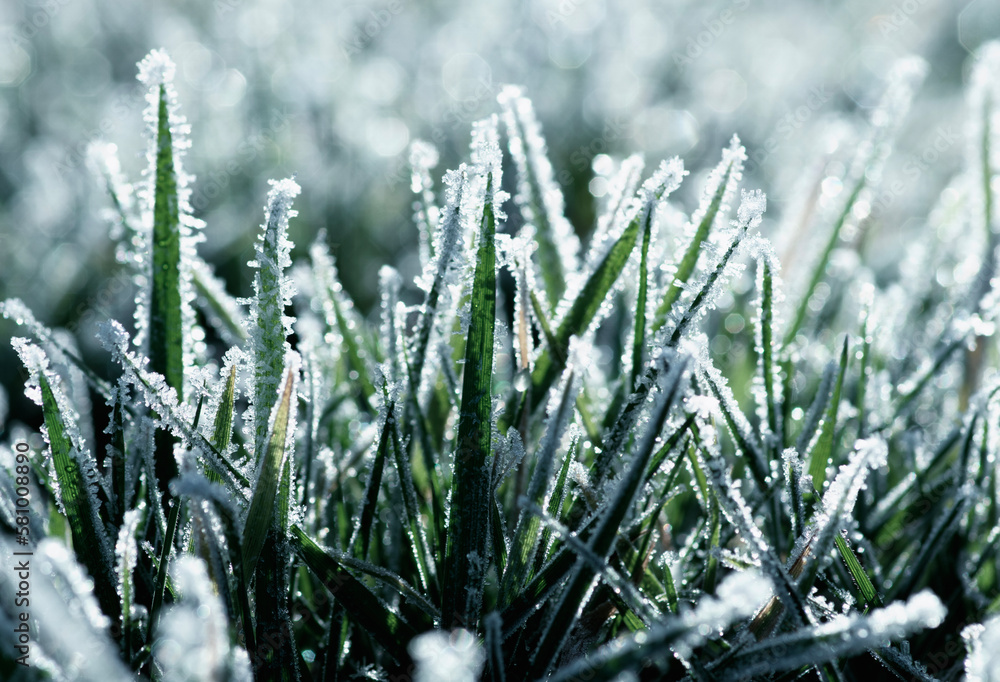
x=262 y=505
x=472 y=497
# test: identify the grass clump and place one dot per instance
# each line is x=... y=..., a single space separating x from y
x=469 y=488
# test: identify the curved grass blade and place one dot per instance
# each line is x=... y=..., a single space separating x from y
x=468 y=528
x=385 y=626
x=89 y=538
x=262 y=505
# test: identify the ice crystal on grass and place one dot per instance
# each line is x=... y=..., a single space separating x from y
x=423 y=158
x=168 y=230
x=267 y=325
x=538 y=196
x=983 y=644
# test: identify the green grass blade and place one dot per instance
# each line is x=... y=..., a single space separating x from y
x=583 y=310
x=362 y=537
x=385 y=626
x=766 y=349
x=601 y=542
x=89 y=538
x=166 y=327
x=639 y=333
x=822 y=451
x=468 y=529
x=262 y=505
x=526 y=533
x=690 y=259
x=864 y=584
x=222 y=431
x=166 y=323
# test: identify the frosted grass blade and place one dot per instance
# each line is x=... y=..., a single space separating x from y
x=363 y=607
x=822 y=450
x=262 y=507
x=600 y=543
x=469 y=525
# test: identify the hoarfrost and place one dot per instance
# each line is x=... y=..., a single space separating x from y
x=267 y=325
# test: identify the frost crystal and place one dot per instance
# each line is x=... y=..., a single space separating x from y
x=538 y=195
x=267 y=326
x=447 y=657
x=423 y=157
x=156 y=72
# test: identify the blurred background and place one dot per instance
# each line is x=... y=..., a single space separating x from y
x=335 y=91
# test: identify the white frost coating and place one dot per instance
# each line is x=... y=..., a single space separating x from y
x=156 y=68
x=194 y=640
x=447 y=657
x=982 y=641
x=488 y=160
x=267 y=325
x=423 y=157
x=156 y=72
x=37 y=364
x=128 y=554
x=839 y=498
x=527 y=148
x=621 y=188
x=739 y=595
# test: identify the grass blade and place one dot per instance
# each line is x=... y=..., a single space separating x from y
x=79 y=500
x=468 y=529
x=601 y=542
x=822 y=450
x=385 y=626
x=262 y=505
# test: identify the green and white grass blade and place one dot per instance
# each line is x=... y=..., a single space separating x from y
x=823 y=449
x=731 y=165
x=268 y=326
x=600 y=543
x=526 y=533
x=739 y=595
x=364 y=608
x=362 y=534
x=341 y=319
x=166 y=326
x=864 y=584
x=472 y=495
x=766 y=351
x=79 y=500
x=262 y=504
x=222 y=431
x=128 y=554
x=827 y=642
